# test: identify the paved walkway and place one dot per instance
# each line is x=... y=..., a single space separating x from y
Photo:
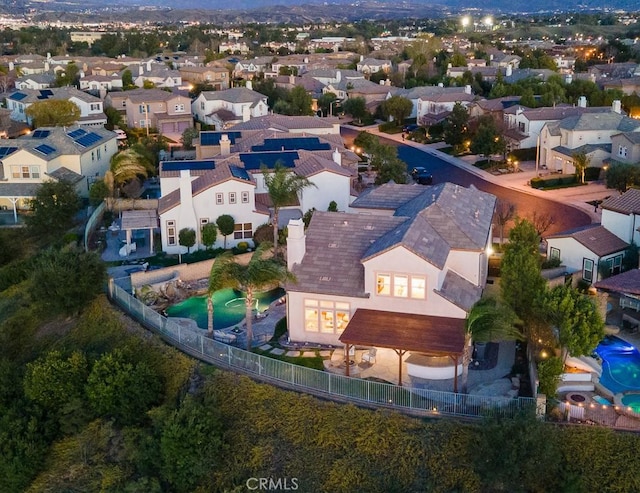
x=576 y=196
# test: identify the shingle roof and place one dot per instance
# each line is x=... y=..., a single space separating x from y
x=234 y=95
x=586 y=148
x=627 y=203
x=285 y=123
x=627 y=282
x=596 y=238
x=389 y=196
x=633 y=137
x=600 y=121
x=459 y=291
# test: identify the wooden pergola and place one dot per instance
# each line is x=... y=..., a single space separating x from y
x=140 y=219
x=403 y=332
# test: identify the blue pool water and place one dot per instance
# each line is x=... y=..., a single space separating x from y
x=601 y=400
x=228 y=307
x=632 y=401
x=620 y=365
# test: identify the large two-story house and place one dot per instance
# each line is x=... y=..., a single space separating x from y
x=75 y=154
x=223 y=109
x=400 y=271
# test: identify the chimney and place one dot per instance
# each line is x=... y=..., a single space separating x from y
x=246 y=114
x=382 y=82
x=46 y=66
x=140 y=69
x=440 y=84
x=48 y=56
x=296 y=242
x=292 y=79
x=616 y=106
x=582 y=102
x=467 y=89
x=225 y=145
x=249 y=85
x=568 y=79
x=338 y=76
x=337 y=157
x=361 y=57
x=11 y=66
x=149 y=66
x=509 y=71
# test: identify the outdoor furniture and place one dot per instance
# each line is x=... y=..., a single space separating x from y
x=370 y=356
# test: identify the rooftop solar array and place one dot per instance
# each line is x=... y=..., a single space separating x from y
x=79 y=132
x=40 y=134
x=19 y=96
x=45 y=94
x=190 y=165
x=88 y=139
x=213 y=138
x=268 y=159
x=239 y=173
x=5 y=151
x=291 y=144
x=45 y=149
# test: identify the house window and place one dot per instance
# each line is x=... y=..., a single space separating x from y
x=98 y=154
x=242 y=230
x=232 y=197
x=93 y=155
x=401 y=286
x=244 y=197
x=171 y=233
x=179 y=107
x=26 y=172
x=328 y=317
x=202 y=105
x=144 y=123
x=587 y=269
x=143 y=108
x=219 y=198
x=615 y=265
x=622 y=151
x=124 y=103
x=554 y=253
x=521 y=126
x=95 y=106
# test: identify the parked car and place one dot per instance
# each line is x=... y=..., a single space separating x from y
x=410 y=128
x=422 y=176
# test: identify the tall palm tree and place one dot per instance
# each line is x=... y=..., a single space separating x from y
x=259 y=273
x=129 y=165
x=487 y=321
x=283 y=187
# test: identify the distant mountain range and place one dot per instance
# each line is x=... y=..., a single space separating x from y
x=312 y=10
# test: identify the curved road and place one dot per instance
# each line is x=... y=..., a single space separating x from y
x=566 y=216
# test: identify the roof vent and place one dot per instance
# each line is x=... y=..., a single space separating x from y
x=345 y=223
x=325 y=278
x=333 y=245
x=476 y=214
x=369 y=227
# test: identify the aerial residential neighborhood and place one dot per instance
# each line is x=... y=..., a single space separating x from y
x=297 y=248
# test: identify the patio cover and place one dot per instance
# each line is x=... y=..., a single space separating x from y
x=144 y=219
x=402 y=332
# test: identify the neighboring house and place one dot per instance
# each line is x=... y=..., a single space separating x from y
x=167 y=112
x=488 y=73
x=333 y=76
x=76 y=154
x=495 y=108
x=352 y=87
x=158 y=74
x=625 y=148
x=588 y=133
x=500 y=59
x=592 y=251
x=620 y=70
x=412 y=262
x=294 y=124
x=248 y=69
x=217 y=77
x=101 y=82
x=91 y=108
x=371 y=66
x=432 y=100
x=195 y=193
x=628 y=85
x=223 y=109
x=38 y=81
x=621 y=215
x=297 y=62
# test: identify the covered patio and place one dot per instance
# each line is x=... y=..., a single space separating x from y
x=404 y=332
x=138 y=220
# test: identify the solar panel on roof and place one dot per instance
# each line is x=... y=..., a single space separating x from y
x=19 y=96
x=269 y=159
x=290 y=144
x=46 y=93
x=5 y=151
x=79 y=132
x=239 y=173
x=190 y=165
x=45 y=149
x=88 y=139
x=40 y=134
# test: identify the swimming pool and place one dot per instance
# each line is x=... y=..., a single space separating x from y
x=632 y=401
x=228 y=307
x=620 y=365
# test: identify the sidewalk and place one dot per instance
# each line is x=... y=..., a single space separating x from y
x=576 y=196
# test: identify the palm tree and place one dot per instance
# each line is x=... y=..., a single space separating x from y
x=129 y=165
x=259 y=273
x=283 y=186
x=487 y=322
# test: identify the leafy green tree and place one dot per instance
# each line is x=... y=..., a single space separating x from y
x=127 y=80
x=622 y=176
x=69 y=76
x=53 y=113
x=53 y=380
x=65 y=281
x=527 y=98
x=260 y=273
x=487 y=139
x=356 y=107
x=98 y=192
x=53 y=210
x=188 y=136
x=549 y=374
x=325 y=102
x=456 y=130
x=333 y=206
x=187 y=238
x=580 y=163
x=397 y=107
x=521 y=284
x=226 y=225
x=300 y=103
x=580 y=326
x=487 y=321
x=283 y=187
x=114 y=118
x=458 y=60
x=121 y=388
x=209 y=235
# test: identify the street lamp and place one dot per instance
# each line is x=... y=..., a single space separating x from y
x=465 y=22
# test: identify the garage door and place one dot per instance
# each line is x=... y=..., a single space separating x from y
x=167 y=128
x=182 y=126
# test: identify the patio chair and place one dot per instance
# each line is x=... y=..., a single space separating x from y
x=370 y=356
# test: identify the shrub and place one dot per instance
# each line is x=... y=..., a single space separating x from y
x=549 y=372
x=243 y=246
x=390 y=128
x=551 y=263
x=592 y=173
x=524 y=154
x=263 y=233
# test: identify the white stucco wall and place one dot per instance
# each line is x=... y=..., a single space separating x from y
x=328 y=186
x=621 y=225
x=572 y=254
